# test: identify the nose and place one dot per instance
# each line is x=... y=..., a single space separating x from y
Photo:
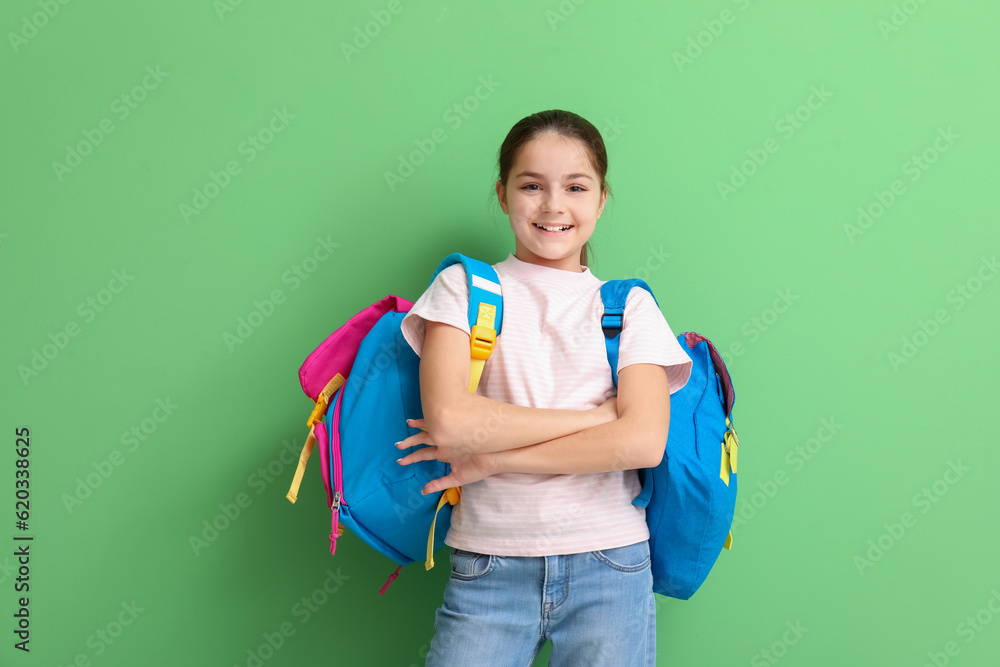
x=552 y=202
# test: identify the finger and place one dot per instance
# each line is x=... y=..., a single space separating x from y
x=422 y=454
x=438 y=484
x=421 y=438
x=417 y=423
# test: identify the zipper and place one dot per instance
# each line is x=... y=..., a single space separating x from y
x=336 y=473
x=335 y=462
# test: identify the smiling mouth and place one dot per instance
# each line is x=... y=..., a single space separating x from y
x=553 y=229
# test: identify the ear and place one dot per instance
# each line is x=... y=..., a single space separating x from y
x=604 y=200
x=502 y=196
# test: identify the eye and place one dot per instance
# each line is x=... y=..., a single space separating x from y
x=581 y=188
x=525 y=187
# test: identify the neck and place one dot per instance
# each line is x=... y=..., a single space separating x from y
x=571 y=263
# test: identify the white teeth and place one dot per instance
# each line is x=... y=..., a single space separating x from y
x=551 y=229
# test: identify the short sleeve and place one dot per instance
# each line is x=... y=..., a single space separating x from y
x=646 y=338
x=445 y=300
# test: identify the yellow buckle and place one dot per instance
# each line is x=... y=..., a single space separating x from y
x=323 y=400
x=482 y=341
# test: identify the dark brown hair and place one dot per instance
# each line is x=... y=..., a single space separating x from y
x=565 y=124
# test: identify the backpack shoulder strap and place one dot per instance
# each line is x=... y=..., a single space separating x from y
x=485 y=310
x=485 y=321
x=614 y=294
x=484 y=286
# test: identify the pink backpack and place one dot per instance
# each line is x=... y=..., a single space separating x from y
x=364 y=379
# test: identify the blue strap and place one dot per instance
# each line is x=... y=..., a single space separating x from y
x=614 y=294
x=478 y=293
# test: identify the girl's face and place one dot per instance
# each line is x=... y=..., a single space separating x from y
x=553 y=185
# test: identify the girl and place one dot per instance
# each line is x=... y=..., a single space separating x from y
x=546 y=543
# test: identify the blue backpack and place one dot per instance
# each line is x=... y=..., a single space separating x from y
x=690 y=497
x=364 y=379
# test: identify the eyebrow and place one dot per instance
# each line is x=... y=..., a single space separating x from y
x=567 y=177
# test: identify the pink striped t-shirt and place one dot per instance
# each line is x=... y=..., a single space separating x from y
x=550 y=354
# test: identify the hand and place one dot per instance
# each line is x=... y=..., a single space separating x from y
x=466 y=466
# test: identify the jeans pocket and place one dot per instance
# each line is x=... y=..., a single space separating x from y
x=630 y=558
x=470 y=565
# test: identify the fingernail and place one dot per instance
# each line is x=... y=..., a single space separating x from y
x=397 y=444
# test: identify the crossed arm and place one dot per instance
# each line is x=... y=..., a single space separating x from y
x=629 y=432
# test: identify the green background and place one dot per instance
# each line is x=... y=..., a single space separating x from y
x=893 y=77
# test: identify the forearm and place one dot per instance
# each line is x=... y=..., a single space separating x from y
x=617 y=445
x=484 y=425
x=460 y=420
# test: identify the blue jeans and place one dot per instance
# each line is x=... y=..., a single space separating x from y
x=597 y=607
